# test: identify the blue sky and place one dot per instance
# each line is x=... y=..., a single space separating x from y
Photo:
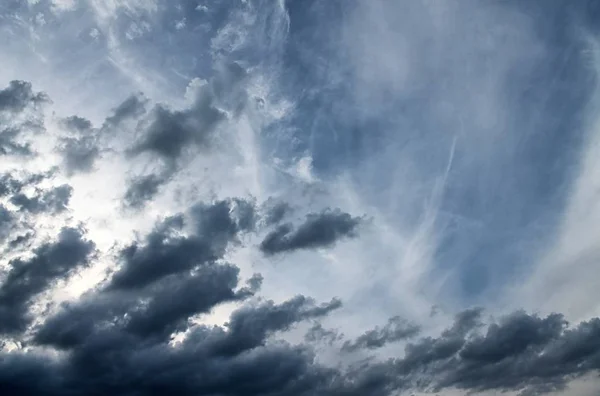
x=389 y=168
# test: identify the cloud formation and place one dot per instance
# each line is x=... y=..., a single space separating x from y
x=318 y=230
x=27 y=278
x=161 y=220
x=52 y=201
x=19 y=95
x=396 y=329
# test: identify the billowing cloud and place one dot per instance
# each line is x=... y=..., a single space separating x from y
x=168 y=250
x=28 y=277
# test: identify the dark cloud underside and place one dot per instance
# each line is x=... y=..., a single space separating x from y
x=318 y=230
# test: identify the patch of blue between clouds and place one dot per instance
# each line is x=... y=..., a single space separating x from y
x=501 y=201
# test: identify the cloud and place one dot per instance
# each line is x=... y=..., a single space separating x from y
x=317 y=333
x=395 y=330
x=276 y=211
x=392 y=110
x=81 y=148
x=9 y=184
x=19 y=112
x=168 y=133
x=77 y=124
x=6 y=222
x=143 y=189
x=19 y=95
x=210 y=360
x=79 y=154
x=168 y=250
x=28 y=277
x=132 y=107
x=52 y=201
x=318 y=230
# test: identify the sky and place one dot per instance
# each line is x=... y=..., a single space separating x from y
x=299 y=197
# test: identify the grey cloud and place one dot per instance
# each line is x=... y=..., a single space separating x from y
x=275 y=212
x=166 y=250
x=21 y=240
x=245 y=214
x=523 y=353
x=155 y=311
x=249 y=327
x=143 y=189
x=180 y=297
x=317 y=333
x=169 y=133
x=52 y=201
x=131 y=108
x=27 y=278
x=79 y=154
x=9 y=184
x=12 y=183
x=19 y=95
x=16 y=99
x=77 y=124
x=117 y=338
x=81 y=147
x=9 y=144
x=6 y=222
x=396 y=329
x=103 y=356
x=318 y=230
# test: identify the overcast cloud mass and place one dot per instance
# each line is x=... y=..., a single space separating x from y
x=299 y=197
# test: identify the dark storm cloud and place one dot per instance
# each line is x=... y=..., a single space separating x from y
x=51 y=201
x=166 y=250
x=28 y=277
x=318 y=230
x=118 y=337
x=109 y=355
x=249 y=327
x=396 y=329
x=19 y=95
x=522 y=352
x=155 y=311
